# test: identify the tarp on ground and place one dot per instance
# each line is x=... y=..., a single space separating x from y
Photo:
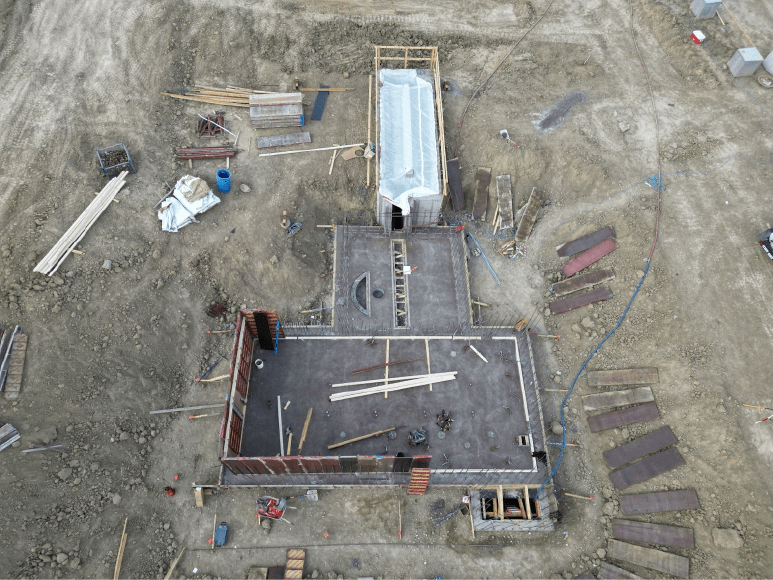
x=192 y=196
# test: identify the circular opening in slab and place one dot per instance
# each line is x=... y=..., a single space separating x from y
x=441 y=435
x=259 y=363
x=378 y=293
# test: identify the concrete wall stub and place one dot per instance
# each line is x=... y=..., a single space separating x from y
x=745 y=62
x=705 y=8
x=767 y=64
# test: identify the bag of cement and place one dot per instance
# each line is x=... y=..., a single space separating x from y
x=191 y=197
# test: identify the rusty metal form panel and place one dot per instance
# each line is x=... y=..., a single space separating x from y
x=612 y=572
x=647 y=468
x=678 y=566
x=249 y=317
x=349 y=464
x=455 y=181
x=233 y=464
x=585 y=242
x=294 y=464
x=611 y=399
x=529 y=217
x=312 y=464
x=402 y=464
x=366 y=464
x=385 y=463
x=643 y=376
x=589 y=257
x=580 y=300
x=582 y=282
x=421 y=461
x=638 y=414
x=660 y=501
x=482 y=181
x=276 y=465
x=235 y=437
x=243 y=379
x=331 y=464
x=505 y=202
x=259 y=466
x=640 y=447
x=653 y=533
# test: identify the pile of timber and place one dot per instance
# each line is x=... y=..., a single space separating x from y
x=230 y=96
x=276 y=110
x=51 y=262
x=183 y=153
x=393 y=384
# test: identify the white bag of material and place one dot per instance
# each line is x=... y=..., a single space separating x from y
x=190 y=198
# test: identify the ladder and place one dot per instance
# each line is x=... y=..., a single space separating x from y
x=419 y=480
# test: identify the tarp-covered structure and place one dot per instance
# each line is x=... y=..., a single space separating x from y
x=409 y=165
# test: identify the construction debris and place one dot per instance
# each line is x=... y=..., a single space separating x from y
x=363 y=437
x=211 y=125
x=529 y=216
x=444 y=420
x=191 y=197
x=183 y=153
x=276 y=110
x=8 y=436
x=417 y=437
x=283 y=140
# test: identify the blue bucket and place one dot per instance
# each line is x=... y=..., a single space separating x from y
x=223 y=180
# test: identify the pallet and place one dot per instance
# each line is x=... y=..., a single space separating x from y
x=611 y=399
x=582 y=282
x=643 y=376
x=660 y=501
x=589 y=257
x=482 y=181
x=638 y=414
x=529 y=217
x=580 y=300
x=647 y=468
x=650 y=443
x=15 y=367
x=659 y=534
x=584 y=243
x=284 y=140
x=296 y=558
x=612 y=572
x=678 y=566
x=505 y=202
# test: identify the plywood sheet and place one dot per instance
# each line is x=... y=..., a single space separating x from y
x=638 y=414
x=505 y=202
x=647 y=468
x=482 y=181
x=612 y=572
x=283 y=140
x=579 y=300
x=612 y=399
x=529 y=217
x=585 y=242
x=650 y=443
x=678 y=566
x=643 y=376
x=589 y=257
x=582 y=282
x=653 y=533
x=659 y=501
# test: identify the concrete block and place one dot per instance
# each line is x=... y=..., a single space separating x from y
x=705 y=8
x=768 y=63
x=745 y=62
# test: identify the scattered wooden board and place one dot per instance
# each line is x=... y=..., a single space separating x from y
x=659 y=501
x=647 y=468
x=580 y=300
x=678 y=566
x=653 y=533
x=612 y=572
x=584 y=243
x=589 y=257
x=638 y=414
x=640 y=447
x=582 y=282
x=284 y=140
x=482 y=181
x=505 y=202
x=643 y=376
x=529 y=216
x=611 y=399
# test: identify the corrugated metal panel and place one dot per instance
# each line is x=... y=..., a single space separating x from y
x=647 y=468
x=529 y=217
x=612 y=399
x=589 y=257
x=678 y=566
x=653 y=533
x=455 y=181
x=482 y=180
x=585 y=242
x=583 y=281
x=640 y=447
x=638 y=414
x=645 y=376
x=567 y=304
x=612 y=572
x=660 y=501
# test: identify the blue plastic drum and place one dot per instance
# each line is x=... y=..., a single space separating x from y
x=223 y=180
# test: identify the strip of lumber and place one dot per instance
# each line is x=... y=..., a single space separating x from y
x=310 y=150
x=211 y=100
x=578 y=283
x=638 y=414
x=678 y=566
x=579 y=300
x=413 y=382
x=647 y=468
x=392 y=379
x=659 y=534
x=220 y=378
x=361 y=437
x=611 y=399
x=174 y=564
x=609 y=571
x=589 y=257
x=660 y=501
x=305 y=430
x=325 y=89
x=196 y=408
x=650 y=443
x=386 y=364
x=529 y=217
x=388 y=389
x=370 y=114
x=584 y=243
x=281 y=435
x=121 y=547
x=643 y=376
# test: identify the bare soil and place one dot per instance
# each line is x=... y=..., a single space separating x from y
x=108 y=345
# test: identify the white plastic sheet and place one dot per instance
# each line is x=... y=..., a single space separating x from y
x=408 y=164
x=191 y=197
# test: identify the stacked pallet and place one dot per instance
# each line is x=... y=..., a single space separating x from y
x=51 y=262
x=276 y=110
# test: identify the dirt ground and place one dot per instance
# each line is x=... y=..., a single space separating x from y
x=108 y=346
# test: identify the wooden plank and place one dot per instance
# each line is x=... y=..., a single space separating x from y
x=275 y=98
x=580 y=300
x=650 y=443
x=660 y=501
x=15 y=367
x=647 y=468
x=638 y=414
x=526 y=501
x=455 y=181
x=643 y=376
x=659 y=534
x=582 y=282
x=501 y=503
x=678 y=566
x=505 y=202
x=121 y=548
x=611 y=399
x=585 y=242
x=198 y=493
x=305 y=430
x=589 y=257
x=482 y=181
x=286 y=140
x=529 y=216
x=612 y=572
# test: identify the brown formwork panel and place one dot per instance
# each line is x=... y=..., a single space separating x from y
x=276 y=465
x=577 y=283
x=612 y=572
x=638 y=414
x=580 y=300
x=529 y=216
x=366 y=464
x=588 y=257
x=673 y=564
x=312 y=464
x=659 y=501
x=659 y=534
x=647 y=468
x=294 y=464
x=611 y=399
x=584 y=243
x=643 y=376
x=331 y=464
x=650 y=443
x=482 y=181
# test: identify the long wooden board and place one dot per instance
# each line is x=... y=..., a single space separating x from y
x=505 y=202
x=455 y=181
x=659 y=501
x=582 y=282
x=611 y=399
x=643 y=376
x=584 y=243
x=579 y=300
x=283 y=140
x=612 y=572
x=653 y=533
x=482 y=181
x=647 y=468
x=650 y=443
x=15 y=367
x=589 y=257
x=638 y=414
x=678 y=566
x=529 y=216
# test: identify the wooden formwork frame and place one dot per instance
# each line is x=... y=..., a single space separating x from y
x=415 y=55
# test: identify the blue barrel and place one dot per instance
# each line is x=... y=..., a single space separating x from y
x=223 y=180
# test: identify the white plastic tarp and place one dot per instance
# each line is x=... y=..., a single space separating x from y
x=408 y=164
x=191 y=197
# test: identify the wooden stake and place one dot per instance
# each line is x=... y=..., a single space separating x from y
x=332 y=161
x=501 y=500
x=281 y=434
x=370 y=105
x=526 y=501
x=220 y=378
x=472 y=519
x=214 y=528
x=121 y=547
x=287 y=404
x=399 y=519
x=78 y=252
x=290 y=443
x=174 y=563
x=317 y=90
x=481 y=303
x=386 y=370
x=361 y=437
x=577 y=496
x=754 y=407
x=305 y=430
x=429 y=372
x=311 y=150
x=720 y=18
x=237 y=137
x=196 y=408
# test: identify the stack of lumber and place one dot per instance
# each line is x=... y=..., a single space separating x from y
x=230 y=96
x=51 y=262
x=402 y=383
x=276 y=110
x=204 y=152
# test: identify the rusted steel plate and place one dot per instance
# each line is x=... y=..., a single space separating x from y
x=653 y=533
x=660 y=501
x=640 y=447
x=505 y=202
x=612 y=399
x=647 y=468
x=644 y=376
x=529 y=217
x=584 y=243
x=589 y=257
x=455 y=181
x=678 y=566
x=638 y=414
x=582 y=282
x=482 y=182
x=612 y=572
x=579 y=300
